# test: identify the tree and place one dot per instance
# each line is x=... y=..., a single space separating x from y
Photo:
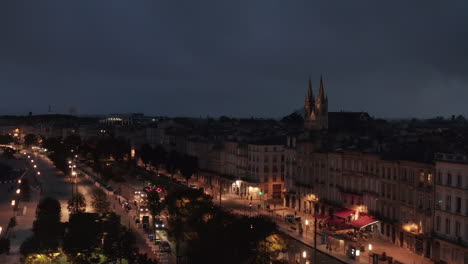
x=172 y=162
x=4 y=245
x=6 y=139
x=12 y=222
x=47 y=227
x=29 y=246
x=145 y=154
x=188 y=166
x=72 y=141
x=30 y=139
x=158 y=157
x=118 y=241
x=83 y=237
x=153 y=202
x=9 y=153
x=77 y=204
x=100 y=203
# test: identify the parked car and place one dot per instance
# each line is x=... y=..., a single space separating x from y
x=158 y=223
x=165 y=247
x=289 y=218
x=193 y=186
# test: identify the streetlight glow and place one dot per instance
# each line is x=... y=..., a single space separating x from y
x=35 y=166
x=304 y=254
x=370 y=247
x=38 y=173
x=13 y=202
x=18 y=191
x=19 y=181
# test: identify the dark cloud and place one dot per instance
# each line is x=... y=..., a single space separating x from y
x=243 y=58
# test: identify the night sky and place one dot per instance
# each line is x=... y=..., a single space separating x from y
x=237 y=58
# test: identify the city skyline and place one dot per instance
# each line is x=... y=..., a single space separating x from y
x=235 y=59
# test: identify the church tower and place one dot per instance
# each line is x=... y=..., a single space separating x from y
x=316 y=112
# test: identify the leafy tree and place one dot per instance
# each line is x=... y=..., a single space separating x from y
x=12 y=222
x=269 y=248
x=153 y=202
x=30 y=139
x=158 y=157
x=77 y=204
x=118 y=241
x=9 y=153
x=188 y=166
x=6 y=139
x=47 y=227
x=100 y=203
x=145 y=154
x=29 y=246
x=172 y=162
x=4 y=245
x=83 y=237
x=72 y=141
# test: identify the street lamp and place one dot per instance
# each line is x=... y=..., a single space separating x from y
x=18 y=191
x=38 y=173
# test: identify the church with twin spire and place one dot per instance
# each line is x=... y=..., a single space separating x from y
x=316 y=110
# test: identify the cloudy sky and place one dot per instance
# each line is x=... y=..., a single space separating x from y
x=239 y=58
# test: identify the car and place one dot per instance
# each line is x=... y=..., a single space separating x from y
x=158 y=223
x=193 y=186
x=289 y=218
x=165 y=247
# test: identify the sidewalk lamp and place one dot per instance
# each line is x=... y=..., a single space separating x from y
x=13 y=202
x=38 y=173
x=35 y=166
x=18 y=191
x=19 y=181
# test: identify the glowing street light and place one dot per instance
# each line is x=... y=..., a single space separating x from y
x=304 y=254
x=18 y=191
x=13 y=202
x=19 y=181
x=29 y=157
x=35 y=166
x=370 y=247
x=32 y=161
x=38 y=173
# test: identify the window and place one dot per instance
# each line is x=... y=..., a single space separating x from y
x=429 y=178
x=265 y=169
x=458 y=205
x=439 y=178
x=437 y=223
x=459 y=181
x=266 y=158
x=449 y=179
x=447 y=226
x=457 y=228
x=448 y=204
x=282 y=158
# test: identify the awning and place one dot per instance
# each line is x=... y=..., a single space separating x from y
x=321 y=216
x=363 y=222
x=343 y=213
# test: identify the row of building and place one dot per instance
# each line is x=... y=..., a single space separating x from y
x=411 y=176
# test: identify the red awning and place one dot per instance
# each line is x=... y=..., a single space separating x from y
x=363 y=222
x=321 y=216
x=343 y=213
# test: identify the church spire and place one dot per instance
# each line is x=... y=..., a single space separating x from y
x=321 y=95
x=309 y=100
